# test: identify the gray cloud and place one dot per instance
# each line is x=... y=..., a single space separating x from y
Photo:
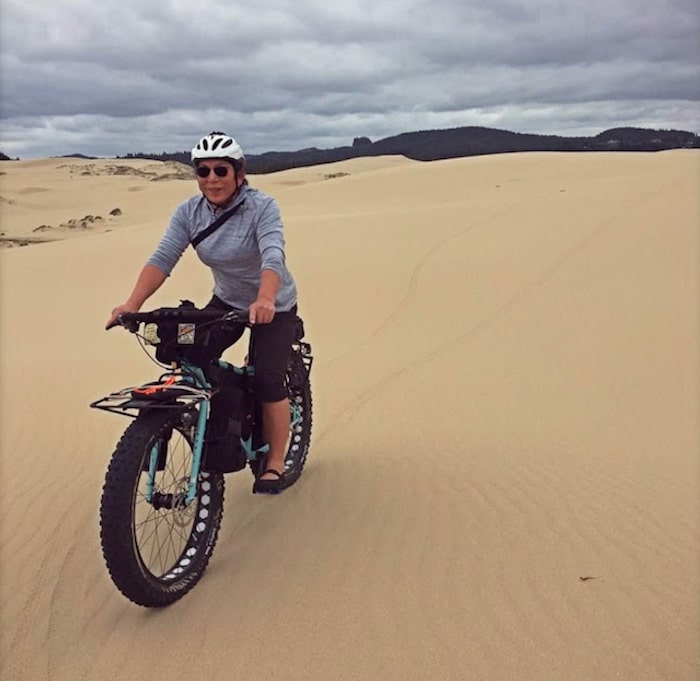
x=125 y=76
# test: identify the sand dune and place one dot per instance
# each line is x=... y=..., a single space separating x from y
x=54 y=196
x=503 y=481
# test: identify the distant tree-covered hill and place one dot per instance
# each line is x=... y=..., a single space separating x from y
x=433 y=145
x=83 y=156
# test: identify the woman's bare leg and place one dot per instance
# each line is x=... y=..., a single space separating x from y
x=276 y=429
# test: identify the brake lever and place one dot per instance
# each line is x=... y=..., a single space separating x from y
x=235 y=316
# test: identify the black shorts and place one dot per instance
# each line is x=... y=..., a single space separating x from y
x=271 y=344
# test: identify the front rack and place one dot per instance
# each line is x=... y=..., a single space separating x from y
x=168 y=394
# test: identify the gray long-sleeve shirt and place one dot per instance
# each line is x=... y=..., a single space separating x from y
x=250 y=241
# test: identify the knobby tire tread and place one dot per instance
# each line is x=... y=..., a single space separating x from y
x=117 y=532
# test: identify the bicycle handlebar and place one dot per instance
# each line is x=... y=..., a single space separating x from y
x=131 y=320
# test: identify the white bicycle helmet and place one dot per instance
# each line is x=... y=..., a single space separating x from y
x=217 y=145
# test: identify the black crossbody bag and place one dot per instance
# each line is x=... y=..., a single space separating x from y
x=215 y=225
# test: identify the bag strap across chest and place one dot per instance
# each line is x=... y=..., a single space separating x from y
x=215 y=225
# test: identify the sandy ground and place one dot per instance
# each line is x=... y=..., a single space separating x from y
x=504 y=476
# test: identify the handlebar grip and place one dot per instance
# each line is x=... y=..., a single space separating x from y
x=125 y=320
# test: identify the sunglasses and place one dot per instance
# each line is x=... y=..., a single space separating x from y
x=219 y=171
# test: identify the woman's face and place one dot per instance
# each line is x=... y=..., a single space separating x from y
x=218 y=189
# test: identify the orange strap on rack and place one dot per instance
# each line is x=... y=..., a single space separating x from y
x=155 y=388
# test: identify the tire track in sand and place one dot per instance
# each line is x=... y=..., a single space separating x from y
x=417 y=270
x=345 y=414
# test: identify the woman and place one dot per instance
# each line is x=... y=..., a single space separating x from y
x=247 y=259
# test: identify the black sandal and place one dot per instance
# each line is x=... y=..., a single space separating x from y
x=270 y=486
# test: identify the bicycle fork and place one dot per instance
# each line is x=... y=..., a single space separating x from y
x=172 y=501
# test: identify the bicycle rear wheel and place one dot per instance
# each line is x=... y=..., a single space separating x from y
x=301 y=414
x=301 y=408
x=155 y=545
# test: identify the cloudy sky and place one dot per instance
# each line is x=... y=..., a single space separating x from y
x=118 y=76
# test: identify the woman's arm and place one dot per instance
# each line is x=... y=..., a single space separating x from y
x=270 y=238
x=148 y=282
x=158 y=267
x=262 y=311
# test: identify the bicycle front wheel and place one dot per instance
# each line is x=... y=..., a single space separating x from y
x=156 y=545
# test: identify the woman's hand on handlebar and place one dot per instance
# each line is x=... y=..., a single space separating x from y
x=262 y=311
x=114 y=319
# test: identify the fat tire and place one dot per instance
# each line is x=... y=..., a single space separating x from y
x=298 y=380
x=119 y=532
